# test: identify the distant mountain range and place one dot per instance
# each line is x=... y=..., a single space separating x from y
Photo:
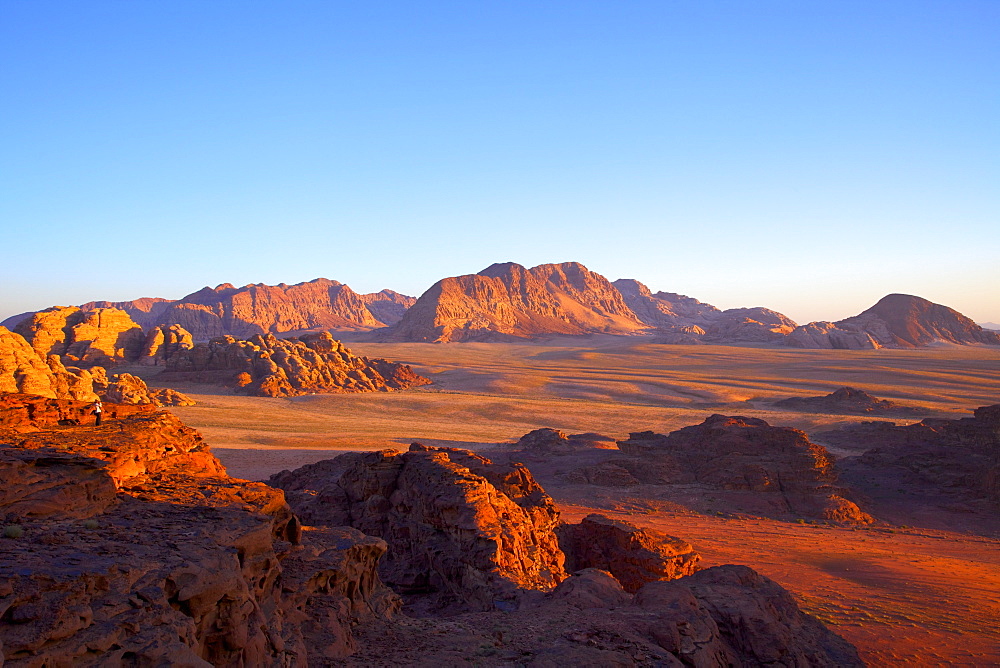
x=509 y=302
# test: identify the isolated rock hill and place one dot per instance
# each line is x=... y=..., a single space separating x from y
x=896 y=321
x=850 y=401
x=771 y=469
x=933 y=463
x=508 y=302
x=271 y=367
x=128 y=544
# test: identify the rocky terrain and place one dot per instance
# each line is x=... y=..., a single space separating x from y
x=927 y=471
x=271 y=367
x=850 y=401
x=129 y=544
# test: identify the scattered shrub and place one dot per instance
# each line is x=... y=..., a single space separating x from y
x=13 y=531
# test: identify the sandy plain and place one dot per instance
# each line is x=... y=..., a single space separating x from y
x=918 y=595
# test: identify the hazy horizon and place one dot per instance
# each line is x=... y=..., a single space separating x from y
x=809 y=158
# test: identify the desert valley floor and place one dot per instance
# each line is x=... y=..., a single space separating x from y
x=914 y=591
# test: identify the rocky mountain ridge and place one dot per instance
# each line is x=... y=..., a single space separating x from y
x=510 y=302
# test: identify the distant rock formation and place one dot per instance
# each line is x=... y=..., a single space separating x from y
x=750 y=325
x=163 y=342
x=896 y=321
x=134 y=547
x=850 y=401
x=779 y=466
x=315 y=305
x=473 y=533
x=545 y=442
x=634 y=556
x=509 y=302
x=272 y=367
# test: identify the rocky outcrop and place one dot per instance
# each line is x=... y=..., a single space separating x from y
x=934 y=462
x=124 y=388
x=632 y=555
x=896 y=321
x=31 y=412
x=849 y=401
x=272 y=367
x=163 y=342
x=546 y=442
x=744 y=455
x=134 y=547
x=509 y=302
x=463 y=532
x=100 y=337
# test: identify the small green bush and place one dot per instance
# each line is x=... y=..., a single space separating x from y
x=91 y=524
x=13 y=531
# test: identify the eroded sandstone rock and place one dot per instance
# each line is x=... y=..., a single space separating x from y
x=268 y=366
x=473 y=533
x=102 y=336
x=851 y=401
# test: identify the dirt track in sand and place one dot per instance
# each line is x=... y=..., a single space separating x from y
x=910 y=597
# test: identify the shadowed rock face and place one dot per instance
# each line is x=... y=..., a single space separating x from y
x=464 y=532
x=272 y=367
x=743 y=454
x=935 y=462
x=850 y=401
x=138 y=549
x=508 y=302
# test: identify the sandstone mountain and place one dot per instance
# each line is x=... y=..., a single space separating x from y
x=315 y=305
x=102 y=336
x=896 y=321
x=508 y=302
x=664 y=309
x=272 y=367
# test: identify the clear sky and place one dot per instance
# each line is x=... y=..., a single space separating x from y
x=810 y=157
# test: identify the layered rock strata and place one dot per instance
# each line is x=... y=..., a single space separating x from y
x=272 y=367
x=133 y=547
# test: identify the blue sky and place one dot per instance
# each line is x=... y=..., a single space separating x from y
x=810 y=157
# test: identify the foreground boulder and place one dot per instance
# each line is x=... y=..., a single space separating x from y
x=463 y=532
x=127 y=544
x=272 y=367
